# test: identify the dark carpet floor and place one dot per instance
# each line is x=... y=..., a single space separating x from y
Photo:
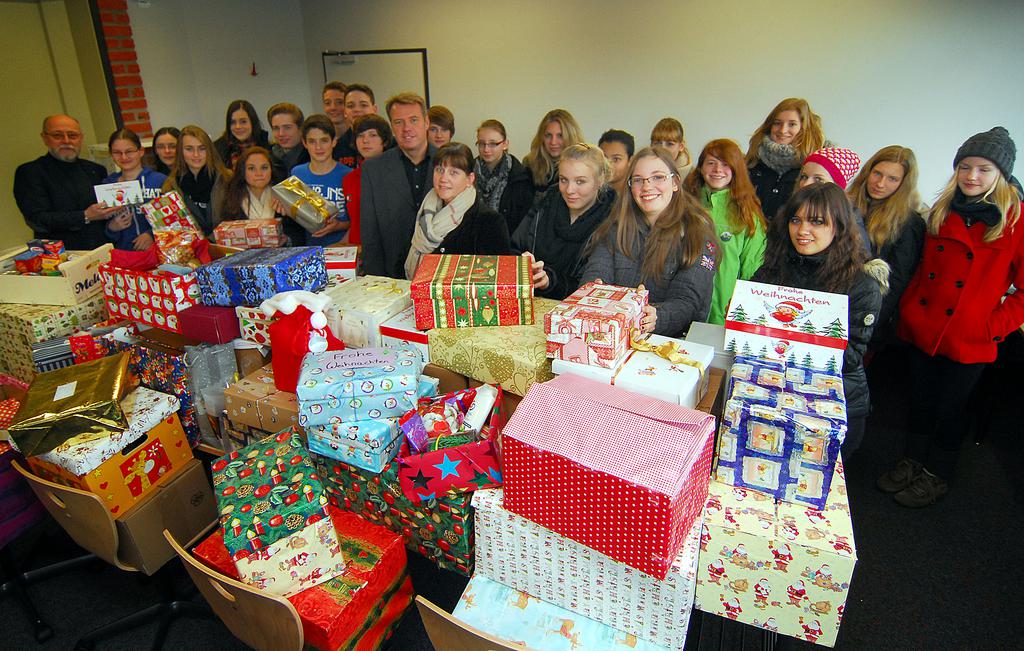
x=946 y=577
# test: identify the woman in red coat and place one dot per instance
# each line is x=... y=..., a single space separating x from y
x=954 y=313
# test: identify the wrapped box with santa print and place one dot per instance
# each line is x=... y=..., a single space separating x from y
x=668 y=369
x=459 y=291
x=254 y=275
x=400 y=330
x=253 y=324
x=594 y=324
x=441 y=529
x=359 y=307
x=537 y=561
x=366 y=444
x=512 y=357
x=562 y=453
x=122 y=467
x=153 y=298
x=454 y=460
x=341 y=263
x=781 y=430
x=360 y=606
x=788 y=325
x=250 y=233
x=271 y=502
x=774 y=565
x=339 y=386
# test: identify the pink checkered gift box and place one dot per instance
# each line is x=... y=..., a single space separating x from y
x=593 y=325
x=624 y=474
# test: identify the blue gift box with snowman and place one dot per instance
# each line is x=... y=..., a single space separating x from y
x=356 y=384
x=366 y=444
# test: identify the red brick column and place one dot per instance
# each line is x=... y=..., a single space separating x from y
x=131 y=97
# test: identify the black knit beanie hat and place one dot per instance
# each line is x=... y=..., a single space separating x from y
x=994 y=145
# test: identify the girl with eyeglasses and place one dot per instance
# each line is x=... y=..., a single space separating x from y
x=956 y=310
x=200 y=177
x=778 y=147
x=165 y=147
x=555 y=231
x=885 y=193
x=660 y=236
x=452 y=219
x=501 y=180
x=814 y=244
x=128 y=229
x=668 y=134
x=242 y=129
x=557 y=131
x=721 y=183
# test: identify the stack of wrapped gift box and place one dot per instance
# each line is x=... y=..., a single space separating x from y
x=777 y=550
x=359 y=307
x=601 y=509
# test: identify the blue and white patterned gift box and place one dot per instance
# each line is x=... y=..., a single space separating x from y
x=366 y=444
x=342 y=386
x=254 y=275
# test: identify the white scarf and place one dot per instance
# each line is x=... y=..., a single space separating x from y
x=433 y=223
x=258 y=208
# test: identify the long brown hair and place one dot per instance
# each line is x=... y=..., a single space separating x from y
x=214 y=166
x=810 y=139
x=744 y=206
x=672 y=129
x=538 y=161
x=885 y=219
x=844 y=257
x=679 y=232
x=237 y=187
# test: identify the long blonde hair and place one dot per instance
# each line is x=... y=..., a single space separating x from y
x=810 y=139
x=541 y=165
x=214 y=166
x=1001 y=194
x=885 y=219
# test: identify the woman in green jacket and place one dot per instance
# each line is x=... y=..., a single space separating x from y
x=721 y=182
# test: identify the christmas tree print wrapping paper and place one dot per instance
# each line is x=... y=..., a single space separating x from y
x=460 y=291
x=774 y=565
x=594 y=324
x=357 y=609
x=523 y=619
x=548 y=566
x=788 y=325
x=781 y=430
x=513 y=357
x=271 y=492
x=254 y=275
x=440 y=529
x=566 y=468
x=340 y=386
x=359 y=307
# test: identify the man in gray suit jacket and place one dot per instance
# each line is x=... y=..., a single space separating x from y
x=393 y=187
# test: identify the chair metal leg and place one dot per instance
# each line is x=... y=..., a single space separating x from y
x=18 y=581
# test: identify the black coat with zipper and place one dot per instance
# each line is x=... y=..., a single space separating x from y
x=772 y=188
x=481 y=232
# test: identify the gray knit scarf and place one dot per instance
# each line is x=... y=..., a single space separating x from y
x=434 y=221
x=779 y=158
x=491 y=183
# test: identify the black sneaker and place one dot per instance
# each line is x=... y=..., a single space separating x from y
x=900 y=477
x=924 y=490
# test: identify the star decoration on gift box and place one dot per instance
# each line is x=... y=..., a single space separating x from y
x=481 y=479
x=448 y=467
x=421 y=480
x=495 y=474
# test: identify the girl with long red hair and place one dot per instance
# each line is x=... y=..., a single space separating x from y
x=721 y=182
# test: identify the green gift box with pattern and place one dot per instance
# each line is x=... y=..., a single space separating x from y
x=267 y=491
x=441 y=529
x=459 y=291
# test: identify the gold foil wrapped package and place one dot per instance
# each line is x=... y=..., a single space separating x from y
x=304 y=204
x=80 y=402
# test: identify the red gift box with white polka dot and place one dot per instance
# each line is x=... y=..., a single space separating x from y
x=624 y=474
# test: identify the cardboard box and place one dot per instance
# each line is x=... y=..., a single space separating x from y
x=774 y=565
x=359 y=307
x=525 y=556
x=513 y=357
x=510 y=614
x=592 y=326
x=254 y=401
x=458 y=291
x=214 y=325
x=621 y=473
x=79 y=281
x=184 y=506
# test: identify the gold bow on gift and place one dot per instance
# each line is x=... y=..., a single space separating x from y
x=305 y=195
x=668 y=351
x=385 y=288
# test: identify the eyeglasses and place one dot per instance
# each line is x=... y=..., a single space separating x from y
x=655 y=179
x=488 y=145
x=65 y=135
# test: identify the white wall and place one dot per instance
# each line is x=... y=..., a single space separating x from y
x=921 y=74
x=195 y=58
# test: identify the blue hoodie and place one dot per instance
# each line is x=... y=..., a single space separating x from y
x=152 y=182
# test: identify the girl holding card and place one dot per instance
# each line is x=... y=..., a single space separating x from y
x=128 y=229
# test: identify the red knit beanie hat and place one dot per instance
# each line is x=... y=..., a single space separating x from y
x=842 y=164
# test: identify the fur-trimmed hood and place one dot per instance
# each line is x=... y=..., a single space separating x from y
x=879 y=270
